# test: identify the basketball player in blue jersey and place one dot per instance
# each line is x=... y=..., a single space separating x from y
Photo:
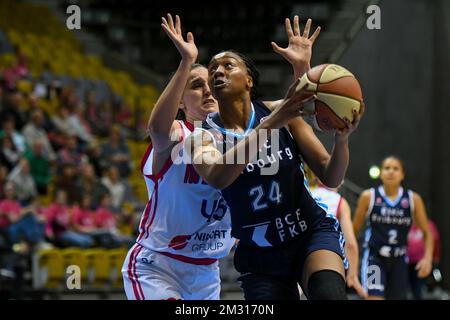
x=173 y=260
x=285 y=237
x=390 y=210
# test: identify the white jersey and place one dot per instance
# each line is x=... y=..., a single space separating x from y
x=185 y=218
x=327 y=199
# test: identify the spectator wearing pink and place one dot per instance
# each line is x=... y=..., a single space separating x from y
x=58 y=224
x=106 y=221
x=9 y=207
x=416 y=252
x=83 y=218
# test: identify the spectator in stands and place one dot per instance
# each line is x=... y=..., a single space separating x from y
x=62 y=124
x=89 y=183
x=416 y=251
x=67 y=181
x=107 y=221
x=94 y=152
x=39 y=166
x=24 y=184
x=81 y=125
x=117 y=189
x=9 y=155
x=116 y=151
x=33 y=130
x=3 y=175
x=70 y=155
x=124 y=116
x=28 y=229
x=9 y=128
x=100 y=117
x=83 y=219
x=9 y=210
x=11 y=107
x=58 y=224
x=33 y=104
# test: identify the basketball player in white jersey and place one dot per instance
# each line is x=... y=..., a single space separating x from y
x=186 y=225
x=336 y=205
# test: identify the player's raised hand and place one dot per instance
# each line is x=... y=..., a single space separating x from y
x=187 y=48
x=299 y=49
x=291 y=106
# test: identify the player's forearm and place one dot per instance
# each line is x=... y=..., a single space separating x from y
x=300 y=68
x=336 y=168
x=166 y=108
x=428 y=241
x=226 y=168
x=351 y=251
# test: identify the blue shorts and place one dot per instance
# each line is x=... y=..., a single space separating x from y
x=384 y=276
x=288 y=259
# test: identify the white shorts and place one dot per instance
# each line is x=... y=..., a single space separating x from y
x=149 y=275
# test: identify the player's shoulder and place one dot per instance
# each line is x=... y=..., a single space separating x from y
x=367 y=194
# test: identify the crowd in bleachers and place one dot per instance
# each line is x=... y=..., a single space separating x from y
x=69 y=141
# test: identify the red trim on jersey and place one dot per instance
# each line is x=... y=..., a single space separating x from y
x=145 y=157
x=189 y=125
x=135 y=274
x=131 y=275
x=154 y=212
x=145 y=218
x=338 y=210
x=196 y=261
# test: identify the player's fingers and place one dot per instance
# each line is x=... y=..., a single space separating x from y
x=307 y=28
x=190 y=37
x=178 y=24
x=362 y=108
x=293 y=88
x=287 y=24
x=277 y=48
x=315 y=34
x=359 y=289
x=296 y=26
x=170 y=20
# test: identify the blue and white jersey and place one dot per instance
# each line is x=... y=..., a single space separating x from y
x=269 y=202
x=389 y=222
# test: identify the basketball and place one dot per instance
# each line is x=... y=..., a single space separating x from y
x=337 y=91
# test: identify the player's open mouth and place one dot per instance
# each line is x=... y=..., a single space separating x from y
x=220 y=83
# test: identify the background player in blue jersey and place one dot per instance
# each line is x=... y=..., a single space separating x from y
x=390 y=211
x=285 y=237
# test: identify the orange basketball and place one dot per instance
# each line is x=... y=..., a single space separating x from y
x=338 y=93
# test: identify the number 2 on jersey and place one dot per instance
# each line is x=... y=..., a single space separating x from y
x=260 y=201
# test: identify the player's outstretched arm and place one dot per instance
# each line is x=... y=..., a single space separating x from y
x=213 y=166
x=161 y=122
x=361 y=211
x=425 y=264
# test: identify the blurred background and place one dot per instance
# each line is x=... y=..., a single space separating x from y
x=74 y=106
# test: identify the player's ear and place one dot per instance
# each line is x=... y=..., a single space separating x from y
x=249 y=82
